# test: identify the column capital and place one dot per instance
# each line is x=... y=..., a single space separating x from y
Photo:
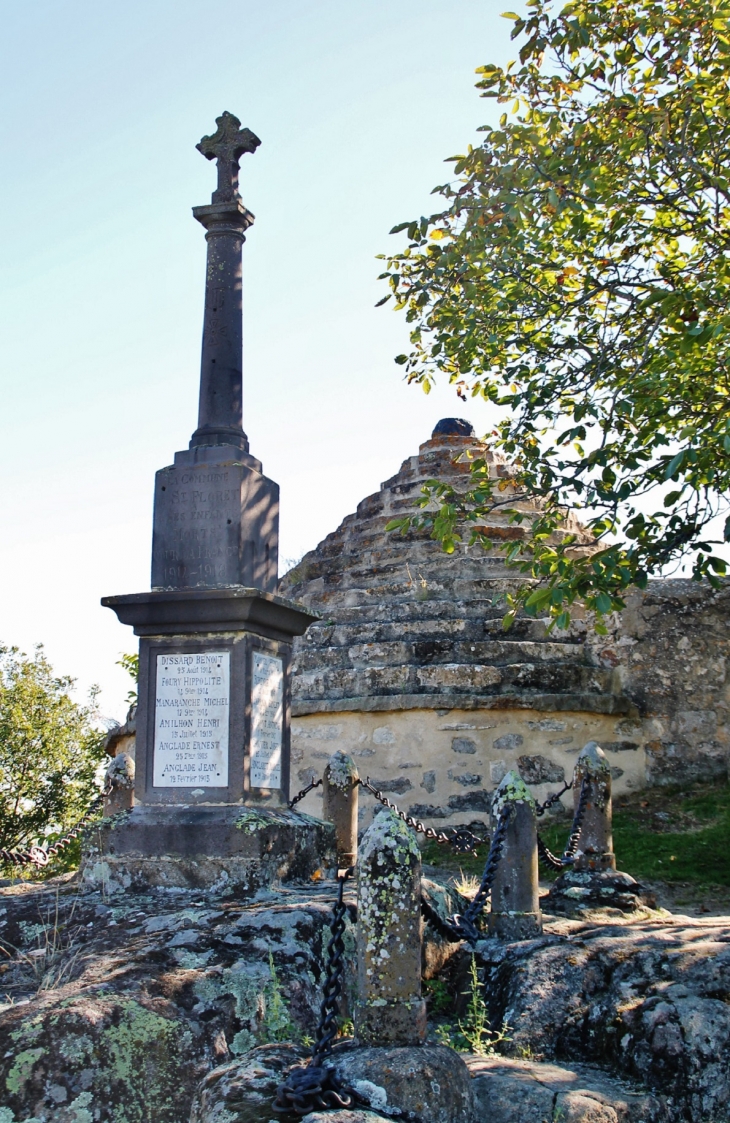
x=232 y=214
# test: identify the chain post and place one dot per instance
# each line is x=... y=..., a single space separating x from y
x=515 y=906
x=390 y=1009
x=594 y=847
x=340 y=805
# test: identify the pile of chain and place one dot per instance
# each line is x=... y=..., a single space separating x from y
x=40 y=856
x=568 y=857
x=316 y=1086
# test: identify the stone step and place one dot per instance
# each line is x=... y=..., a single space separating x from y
x=477 y=617
x=449 y=678
x=450 y=588
x=429 y=650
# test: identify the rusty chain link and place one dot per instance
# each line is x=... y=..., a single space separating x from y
x=40 y=856
x=463 y=927
x=305 y=791
x=316 y=1085
x=541 y=808
x=568 y=857
x=461 y=839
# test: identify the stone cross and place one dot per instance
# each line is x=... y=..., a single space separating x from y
x=595 y=848
x=340 y=805
x=389 y=1009
x=227 y=145
x=515 y=903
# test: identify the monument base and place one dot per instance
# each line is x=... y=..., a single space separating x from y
x=232 y=849
x=577 y=891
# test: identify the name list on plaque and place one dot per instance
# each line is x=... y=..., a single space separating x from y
x=192 y=704
x=267 y=720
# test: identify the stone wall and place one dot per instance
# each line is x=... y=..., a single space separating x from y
x=669 y=652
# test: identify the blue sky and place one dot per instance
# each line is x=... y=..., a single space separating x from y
x=102 y=270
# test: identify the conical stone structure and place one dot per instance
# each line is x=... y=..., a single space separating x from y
x=410 y=670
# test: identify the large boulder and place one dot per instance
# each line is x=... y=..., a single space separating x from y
x=117 y=1007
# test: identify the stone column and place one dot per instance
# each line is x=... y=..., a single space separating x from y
x=595 y=847
x=389 y=1009
x=226 y=221
x=220 y=410
x=340 y=805
x=515 y=901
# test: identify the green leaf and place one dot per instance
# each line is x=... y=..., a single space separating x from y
x=603 y=603
x=674 y=465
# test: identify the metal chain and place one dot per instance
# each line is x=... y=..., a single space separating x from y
x=541 y=808
x=316 y=1086
x=461 y=839
x=40 y=856
x=551 y=860
x=463 y=927
x=305 y=791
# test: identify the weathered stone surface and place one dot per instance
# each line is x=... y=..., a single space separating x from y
x=593 y=776
x=242 y=1092
x=539 y=770
x=579 y=892
x=430 y=1080
x=648 y=1001
x=340 y=805
x=219 y=849
x=119 y=778
x=508 y=1090
x=514 y=912
x=130 y=1001
x=344 y=1116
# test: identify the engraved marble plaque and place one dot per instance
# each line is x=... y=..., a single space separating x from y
x=267 y=720
x=192 y=703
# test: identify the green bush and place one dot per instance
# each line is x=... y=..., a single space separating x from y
x=51 y=748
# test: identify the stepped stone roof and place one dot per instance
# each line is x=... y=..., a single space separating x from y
x=406 y=626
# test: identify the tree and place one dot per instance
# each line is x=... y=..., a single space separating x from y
x=579 y=277
x=50 y=751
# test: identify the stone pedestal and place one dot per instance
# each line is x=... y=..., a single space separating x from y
x=213 y=745
x=219 y=849
x=216 y=521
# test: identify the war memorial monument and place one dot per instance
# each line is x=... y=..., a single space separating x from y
x=213 y=723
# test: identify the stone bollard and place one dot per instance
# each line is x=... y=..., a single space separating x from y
x=341 y=783
x=592 y=880
x=120 y=775
x=389 y=1008
x=595 y=846
x=515 y=900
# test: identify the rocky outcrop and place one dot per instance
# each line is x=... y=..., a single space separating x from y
x=648 y=1000
x=116 y=1007
x=137 y=1008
